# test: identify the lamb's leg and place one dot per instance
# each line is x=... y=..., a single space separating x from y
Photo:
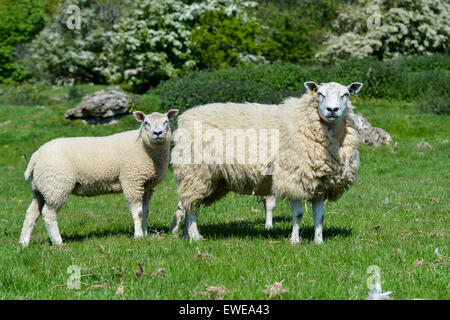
x=145 y=206
x=269 y=204
x=177 y=217
x=318 y=212
x=33 y=213
x=190 y=226
x=297 y=215
x=50 y=214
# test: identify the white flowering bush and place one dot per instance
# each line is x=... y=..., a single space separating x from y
x=63 y=54
x=151 y=37
x=155 y=38
x=388 y=28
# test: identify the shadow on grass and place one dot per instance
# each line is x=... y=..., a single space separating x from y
x=252 y=230
x=125 y=231
x=234 y=229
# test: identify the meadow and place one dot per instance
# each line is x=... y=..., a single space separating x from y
x=395 y=217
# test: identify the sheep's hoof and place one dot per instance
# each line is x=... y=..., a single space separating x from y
x=194 y=236
x=269 y=227
x=295 y=240
x=23 y=244
x=173 y=229
x=318 y=240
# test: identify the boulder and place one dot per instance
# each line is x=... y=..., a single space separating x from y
x=371 y=136
x=101 y=107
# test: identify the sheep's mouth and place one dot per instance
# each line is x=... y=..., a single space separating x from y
x=158 y=139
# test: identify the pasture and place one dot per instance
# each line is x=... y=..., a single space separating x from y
x=395 y=217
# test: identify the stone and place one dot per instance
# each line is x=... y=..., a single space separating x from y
x=101 y=107
x=371 y=136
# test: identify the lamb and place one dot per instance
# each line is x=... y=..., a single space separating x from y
x=317 y=157
x=132 y=162
x=268 y=201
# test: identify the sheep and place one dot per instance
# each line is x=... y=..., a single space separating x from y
x=269 y=205
x=132 y=162
x=317 y=157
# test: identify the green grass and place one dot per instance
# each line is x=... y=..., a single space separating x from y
x=360 y=230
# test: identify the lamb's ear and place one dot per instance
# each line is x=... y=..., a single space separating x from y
x=139 y=115
x=311 y=86
x=355 y=87
x=172 y=113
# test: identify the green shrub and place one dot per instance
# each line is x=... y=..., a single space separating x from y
x=296 y=28
x=272 y=83
x=436 y=104
x=184 y=93
x=222 y=41
x=20 y=20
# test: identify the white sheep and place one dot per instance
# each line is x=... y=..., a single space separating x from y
x=132 y=162
x=269 y=205
x=317 y=156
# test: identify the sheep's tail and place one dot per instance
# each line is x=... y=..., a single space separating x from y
x=31 y=165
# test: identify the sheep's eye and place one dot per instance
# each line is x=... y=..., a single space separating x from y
x=320 y=94
x=345 y=95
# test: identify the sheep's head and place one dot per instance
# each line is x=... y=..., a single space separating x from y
x=156 y=125
x=333 y=98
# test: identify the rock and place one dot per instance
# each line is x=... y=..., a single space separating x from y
x=371 y=136
x=424 y=145
x=101 y=107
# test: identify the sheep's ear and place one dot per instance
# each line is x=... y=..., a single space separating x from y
x=139 y=115
x=355 y=87
x=311 y=86
x=172 y=113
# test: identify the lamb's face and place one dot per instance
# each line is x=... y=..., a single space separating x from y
x=333 y=98
x=156 y=125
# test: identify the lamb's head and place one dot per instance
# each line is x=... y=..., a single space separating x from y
x=333 y=98
x=156 y=125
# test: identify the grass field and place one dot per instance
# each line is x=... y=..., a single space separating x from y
x=395 y=217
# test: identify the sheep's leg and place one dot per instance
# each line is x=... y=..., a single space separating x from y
x=145 y=206
x=138 y=215
x=318 y=212
x=50 y=214
x=33 y=213
x=190 y=227
x=177 y=217
x=297 y=215
x=269 y=205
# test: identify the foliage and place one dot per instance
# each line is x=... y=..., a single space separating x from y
x=296 y=28
x=66 y=56
x=157 y=38
x=20 y=20
x=223 y=41
x=386 y=29
x=271 y=83
x=152 y=36
x=182 y=94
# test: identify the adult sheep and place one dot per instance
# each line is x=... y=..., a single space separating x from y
x=317 y=156
x=132 y=162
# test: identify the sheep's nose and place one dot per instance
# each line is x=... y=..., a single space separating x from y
x=333 y=110
x=157 y=132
